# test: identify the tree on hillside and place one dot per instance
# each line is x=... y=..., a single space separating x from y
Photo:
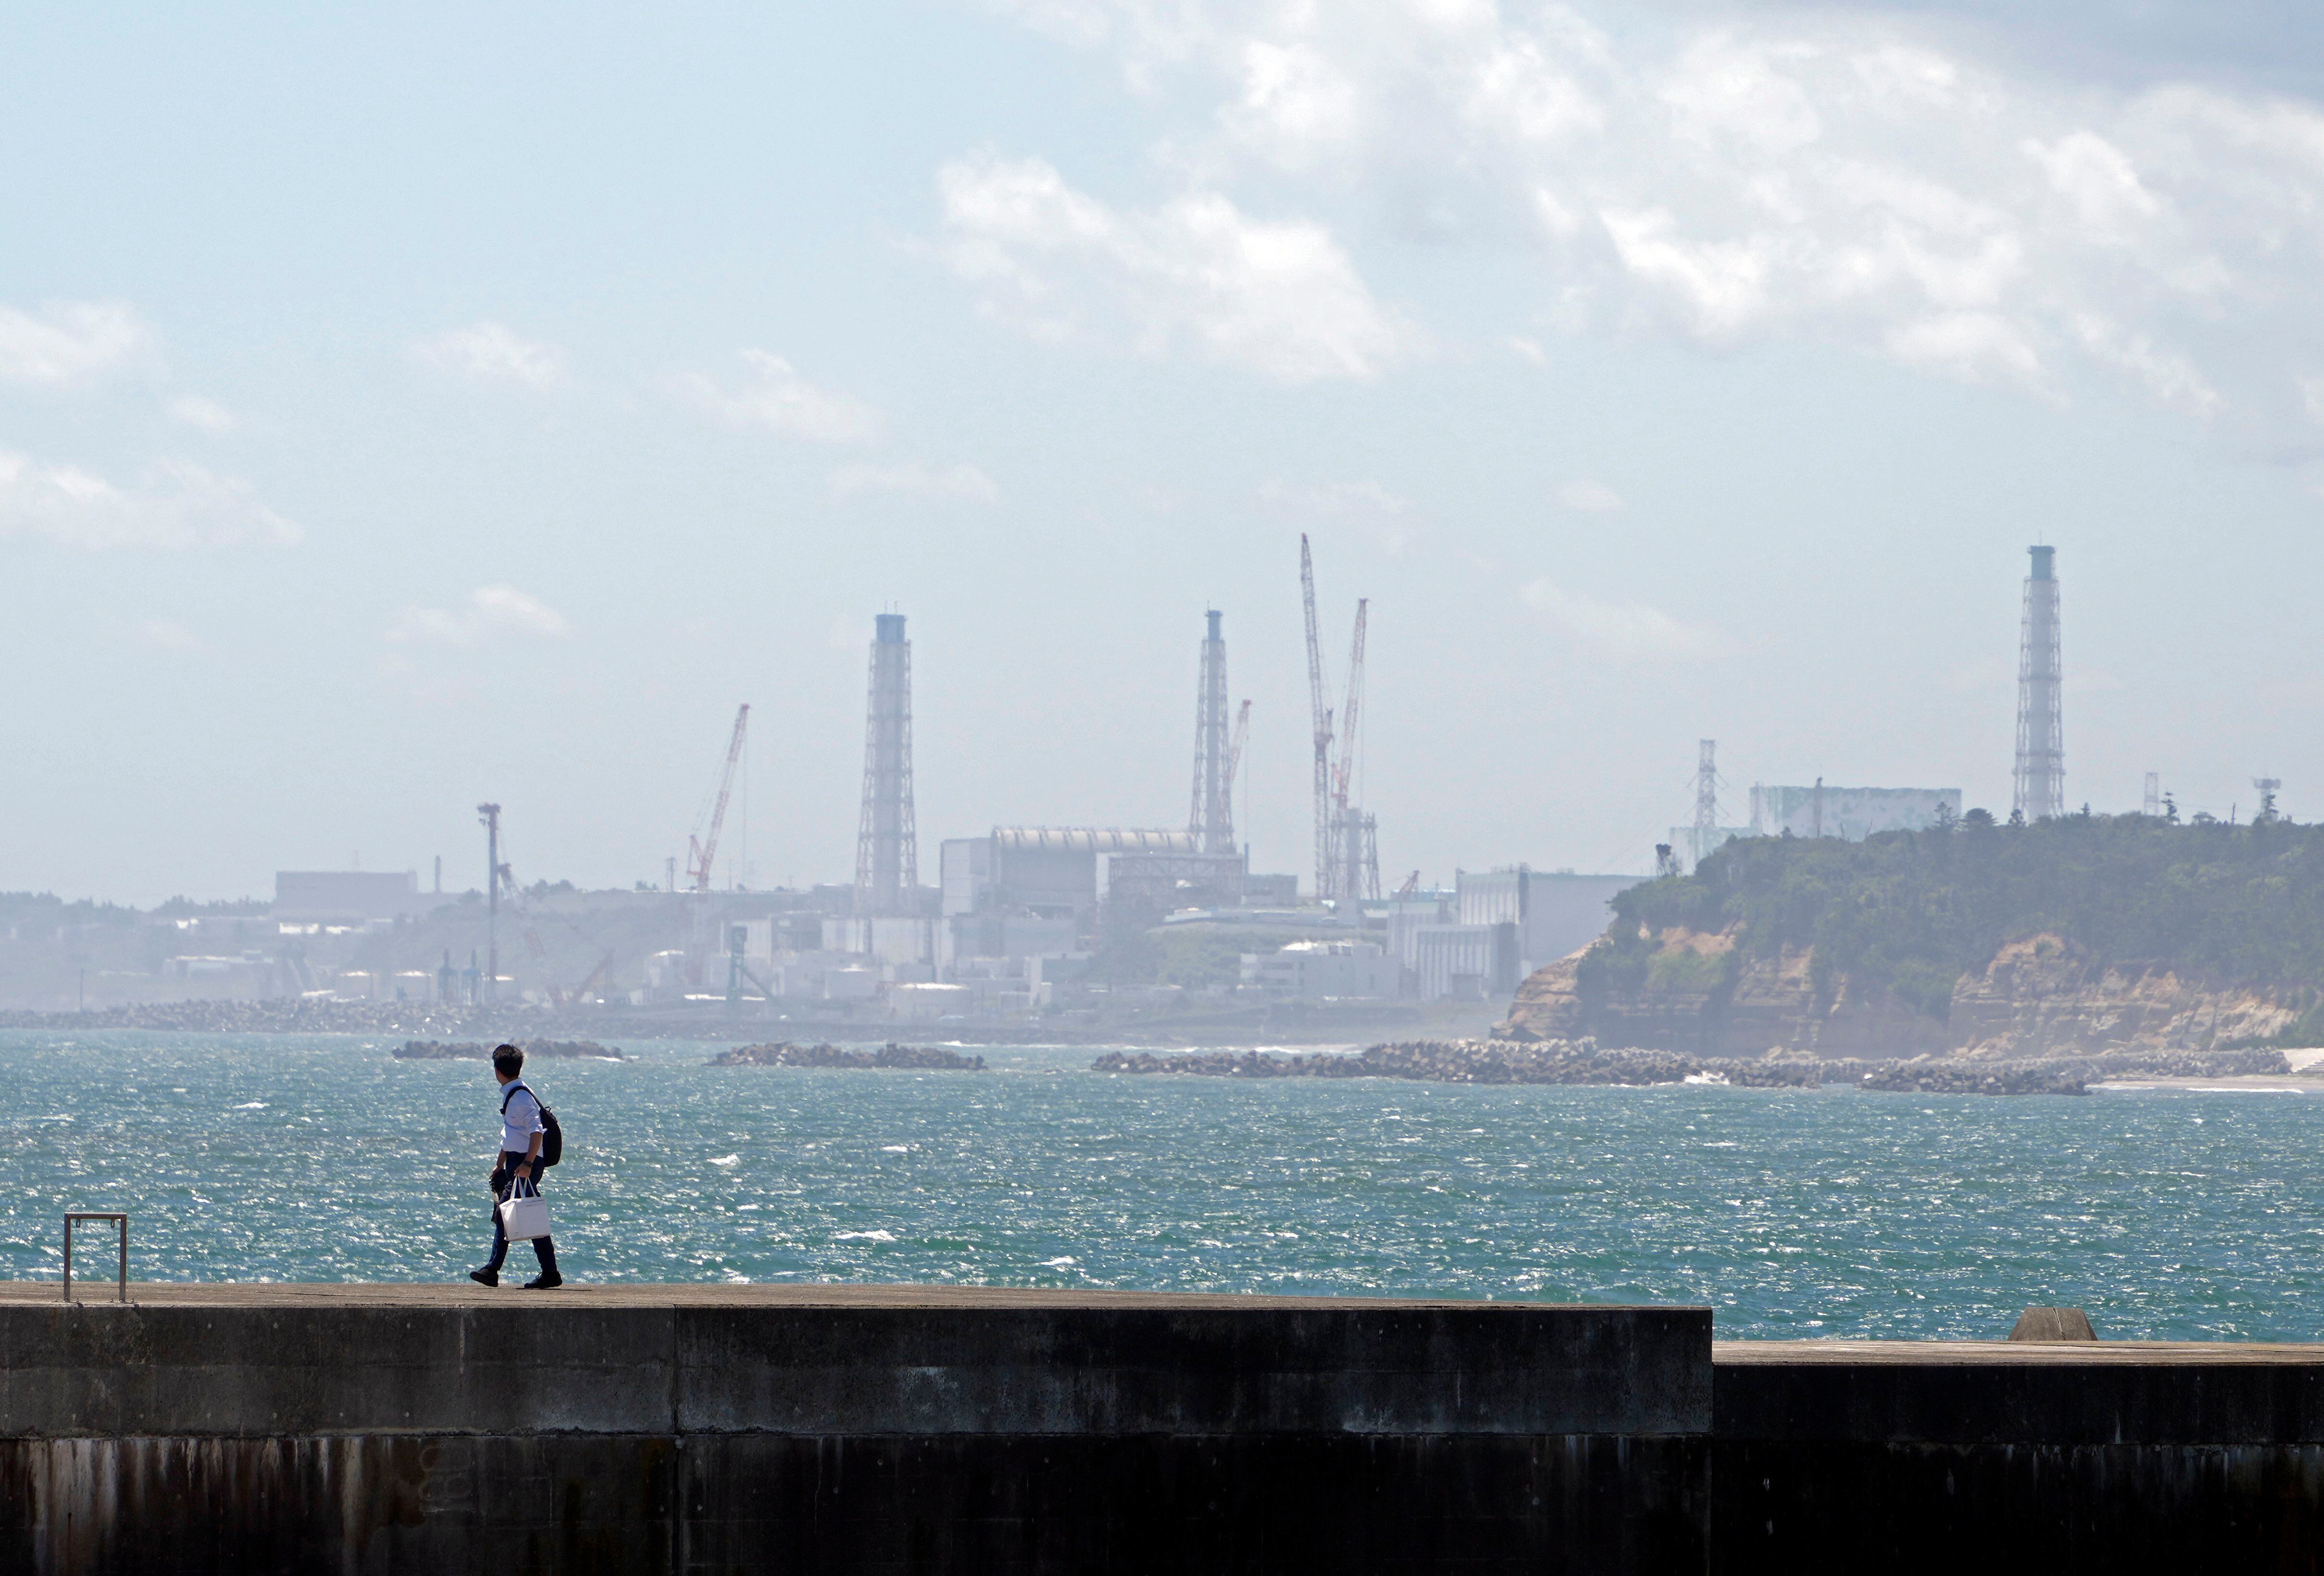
x=1908 y=913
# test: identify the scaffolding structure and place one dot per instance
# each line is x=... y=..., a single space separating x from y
x=2040 y=773
x=887 y=840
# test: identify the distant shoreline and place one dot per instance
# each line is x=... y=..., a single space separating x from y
x=1330 y=1026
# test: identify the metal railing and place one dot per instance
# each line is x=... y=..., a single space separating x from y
x=121 y=1284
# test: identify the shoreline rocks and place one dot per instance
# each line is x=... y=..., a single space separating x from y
x=1582 y=1062
x=478 y=1051
x=784 y=1054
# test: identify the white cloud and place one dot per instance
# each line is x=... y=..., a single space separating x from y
x=1627 y=629
x=1293 y=97
x=490 y=610
x=777 y=398
x=1589 y=497
x=1722 y=284
x=965 y=484
x=165 y=634
x=182 y=506
x=1277 y=296
x=1967 y=345
x=491 y=353
x=1723 y=93
x=69 y=341
x=1819 y=174
x=2098 y=180
x=207 y=415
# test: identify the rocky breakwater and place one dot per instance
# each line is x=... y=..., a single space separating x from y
x=2038 y=996
x=784 y=1054
x=1583 y=1062
x=478 y=1051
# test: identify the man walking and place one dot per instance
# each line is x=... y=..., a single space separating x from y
x=517 y=1167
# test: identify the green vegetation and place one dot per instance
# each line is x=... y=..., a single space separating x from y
x=1905 y=914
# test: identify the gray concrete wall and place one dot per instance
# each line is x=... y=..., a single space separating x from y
x=617 y=1433
x=1930 y=1458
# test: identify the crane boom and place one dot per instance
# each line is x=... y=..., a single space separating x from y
x=1234 y=764
x=1343 y=779
x=703 y=850
x=1234 y=751
x=1326 y=882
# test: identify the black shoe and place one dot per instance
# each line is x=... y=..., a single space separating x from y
x=486 y=1277
x=548 y=1281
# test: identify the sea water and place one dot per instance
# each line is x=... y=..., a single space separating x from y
x=1833 y=1212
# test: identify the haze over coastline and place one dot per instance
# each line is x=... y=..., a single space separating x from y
x=487 y=405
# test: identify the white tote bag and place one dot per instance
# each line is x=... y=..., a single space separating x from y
x=523 y=1215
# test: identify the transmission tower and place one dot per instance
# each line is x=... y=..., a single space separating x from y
x=2040 y=777
x=886 y=842
x=2268 y=786
x=1211 y=820
x=2153 y=805
x=1706 y=798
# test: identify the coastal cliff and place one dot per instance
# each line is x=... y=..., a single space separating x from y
x=2040 y=996
x=2073 y=938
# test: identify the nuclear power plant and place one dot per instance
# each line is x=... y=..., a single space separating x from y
x=1026 y=917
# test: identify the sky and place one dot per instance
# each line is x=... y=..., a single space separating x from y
x=404 y=410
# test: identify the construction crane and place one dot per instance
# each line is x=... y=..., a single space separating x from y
x=580 y=992
x=1234 y=757
x=702 y=850
x=1327 y=828
x=1359 y=853
x=1343 y=775
x=1411 y=885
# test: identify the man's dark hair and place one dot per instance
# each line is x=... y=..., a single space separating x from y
x=508 y=1059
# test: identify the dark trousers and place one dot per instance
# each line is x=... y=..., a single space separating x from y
x=542 y=1247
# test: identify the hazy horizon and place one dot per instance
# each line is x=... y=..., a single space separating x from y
x=398 y=412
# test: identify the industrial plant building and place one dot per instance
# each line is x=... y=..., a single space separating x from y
x=1849 y=813
x=348 y=897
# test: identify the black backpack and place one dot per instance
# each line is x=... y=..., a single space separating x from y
x=552 y=1137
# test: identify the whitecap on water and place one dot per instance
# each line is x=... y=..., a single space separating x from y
x=726 y=1160
x=895 y=1148
x=1066 y=1263
x=864 y=1237
x=252 y=1105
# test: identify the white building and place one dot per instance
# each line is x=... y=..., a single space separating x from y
x=1323 y=968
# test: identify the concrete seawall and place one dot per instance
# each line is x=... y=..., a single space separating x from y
x=365 y=1429
x=1925 y=1457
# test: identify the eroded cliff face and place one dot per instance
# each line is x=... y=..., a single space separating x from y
x=2042 y=996
x=2045 y=996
